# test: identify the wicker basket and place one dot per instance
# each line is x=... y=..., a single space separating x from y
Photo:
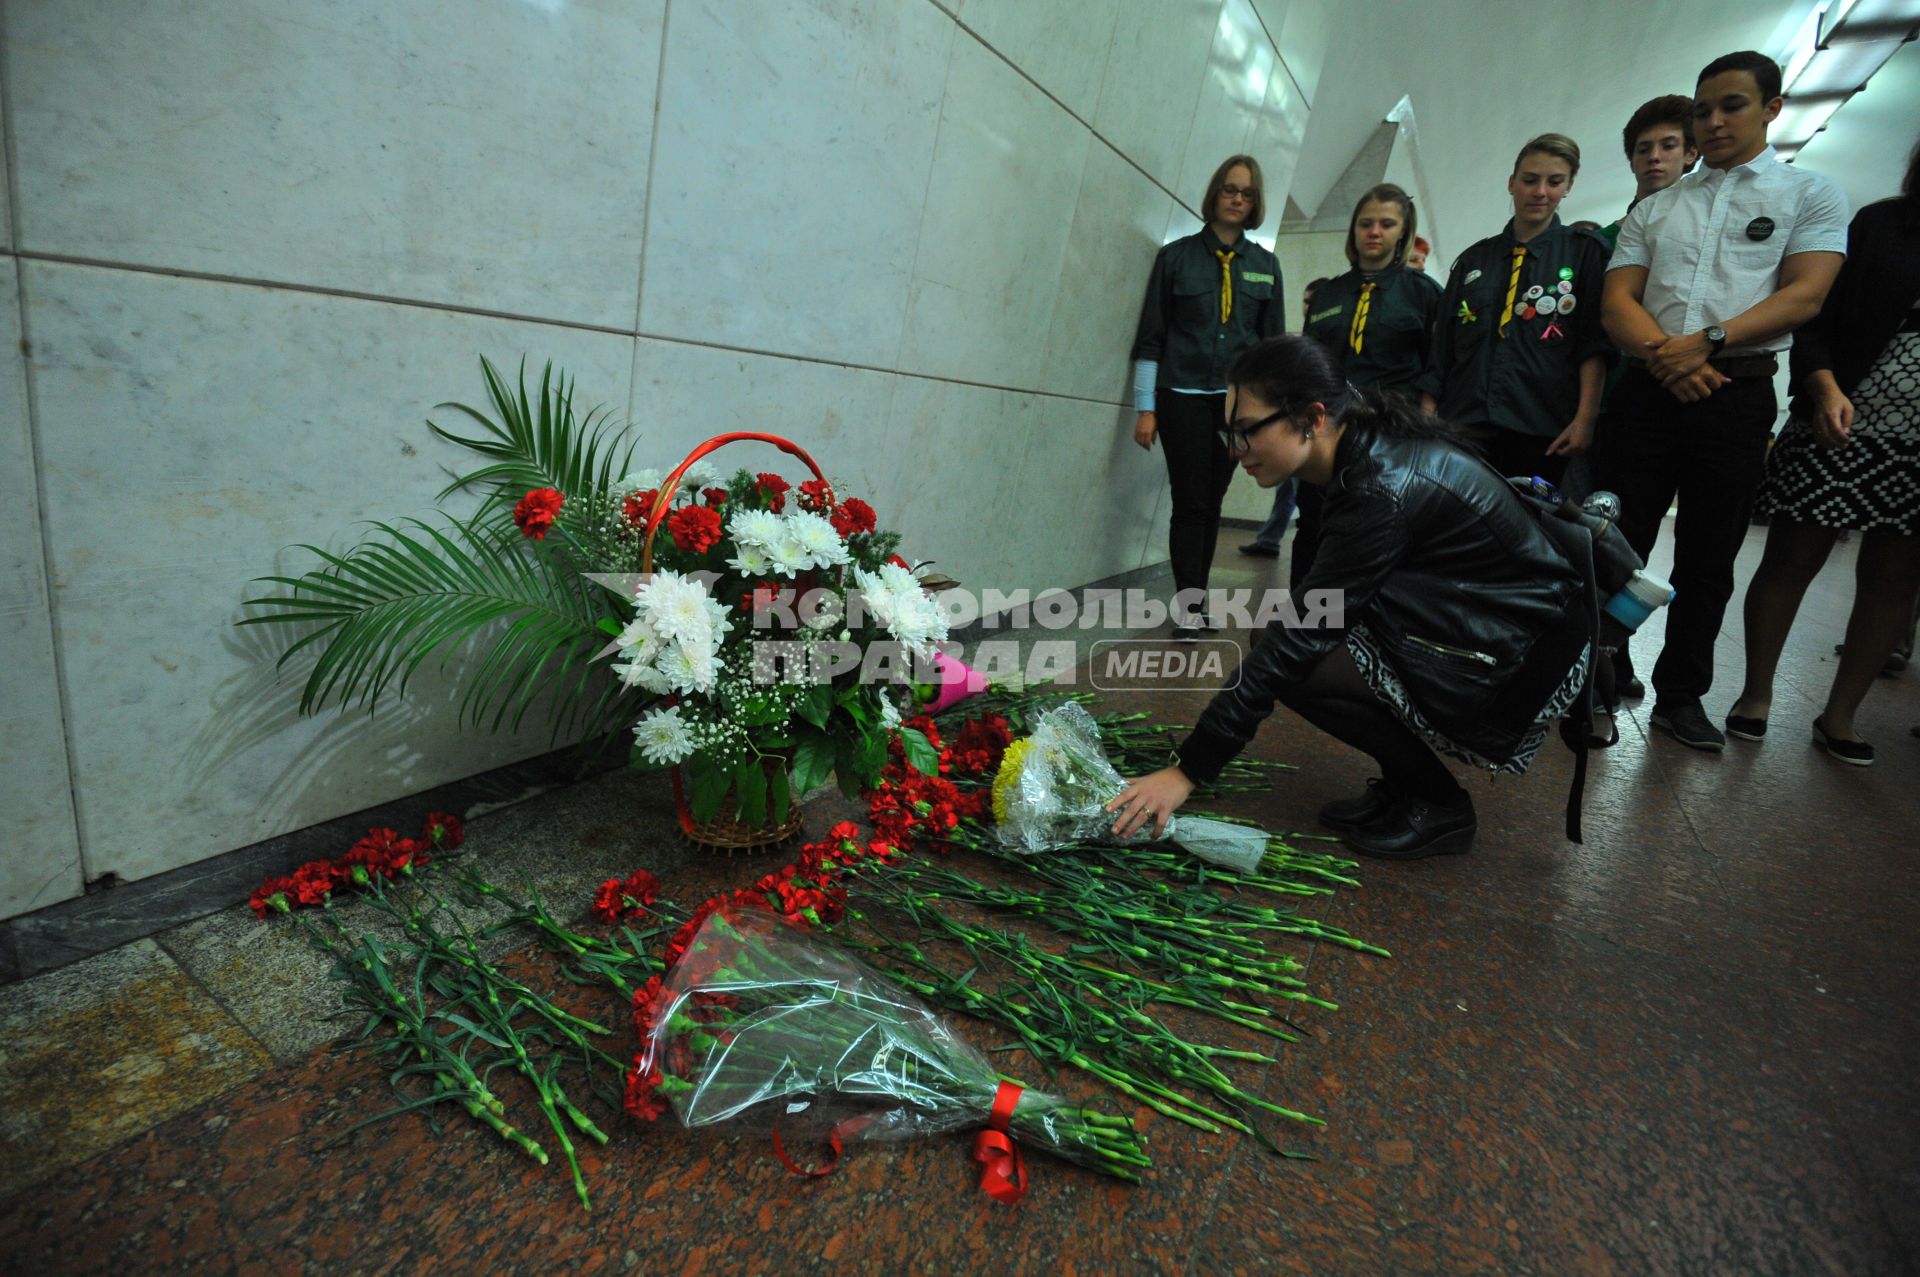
x=724 y=831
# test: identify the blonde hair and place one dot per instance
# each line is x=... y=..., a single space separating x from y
x=1386 y=193
x=1558 y=145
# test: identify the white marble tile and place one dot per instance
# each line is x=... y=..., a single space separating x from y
x=1085 y=449
x=795 y=140
x=190 y=431
x=999 y=209
x=1153 y=79
x=483 y=153
x=6 y=186
x=1277 y=133
x=684 y=394
x=42 y=864
x=1117 y=226
x=1304 y=35
x=1232 y=92
x=1062 y=44
x=959 y=454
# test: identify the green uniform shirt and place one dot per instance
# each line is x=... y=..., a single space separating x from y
x=1397 y=330
x=1180 y=324
x=1527 y=381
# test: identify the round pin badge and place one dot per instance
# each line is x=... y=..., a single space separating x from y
x=1566 y=272
x=1566 y=304
x=1759 y=228
x=1565 y=285
x=1526 y=312
x=1533 y=293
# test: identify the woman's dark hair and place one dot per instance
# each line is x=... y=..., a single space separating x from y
x=1293 y=373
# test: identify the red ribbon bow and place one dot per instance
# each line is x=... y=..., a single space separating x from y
x=1003 y=1176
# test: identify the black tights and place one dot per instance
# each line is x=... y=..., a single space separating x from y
x=1338 y=701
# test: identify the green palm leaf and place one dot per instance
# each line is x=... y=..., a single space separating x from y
x=536 y=442
x=523 y=618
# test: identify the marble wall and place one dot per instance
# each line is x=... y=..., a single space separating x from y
x=250 y=245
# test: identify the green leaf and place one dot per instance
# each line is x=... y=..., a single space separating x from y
x=707 y=786
x=812 y=762
x=780 y=791
x=921 y=755
x=750 y=793
x=816 y=705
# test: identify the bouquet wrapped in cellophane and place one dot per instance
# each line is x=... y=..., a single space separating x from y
x=756 y=1016
x=1054 y=785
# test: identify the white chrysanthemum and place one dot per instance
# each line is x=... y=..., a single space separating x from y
x=889 y=713
x=751 y=561
x=676 y=670
x=639 y=642
x=762 y=529
x=676 y=607
x=662 y=737
x=704 y=668
x=918 y=622
x=898 y=580
x=642 y=480
x=643 y=675
x=700 y=475
x=788 y=557
x=815 y=534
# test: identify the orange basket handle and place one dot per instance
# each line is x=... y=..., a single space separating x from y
x=664 y=501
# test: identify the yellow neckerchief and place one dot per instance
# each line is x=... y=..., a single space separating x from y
x=1513 y=286
x=1357 y=335
x=1226 y=256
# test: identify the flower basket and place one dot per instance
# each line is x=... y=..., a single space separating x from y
x=724 y=831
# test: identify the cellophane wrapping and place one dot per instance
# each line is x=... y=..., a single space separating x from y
x=761 y=1019
x=1062 y=783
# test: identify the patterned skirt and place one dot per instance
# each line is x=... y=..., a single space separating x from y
x=1385 y=682
x=1873 y=482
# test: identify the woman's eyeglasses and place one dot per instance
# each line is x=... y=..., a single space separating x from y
x=1237 y=437
x=1236 y=192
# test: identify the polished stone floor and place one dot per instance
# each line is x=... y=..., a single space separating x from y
x=1690 y=1045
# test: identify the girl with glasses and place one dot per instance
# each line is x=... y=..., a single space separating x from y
x=1211 y=295
x=1454 y=626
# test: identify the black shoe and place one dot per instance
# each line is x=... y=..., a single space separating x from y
x=1357 y=813
x=1857 y=752
x=1258 y=551
x=1186 y=634
x=1415 y=828
x=1689 y=725
x=1630 y=689
x=1746 y=728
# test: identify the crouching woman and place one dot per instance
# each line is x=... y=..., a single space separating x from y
x=1461 y=630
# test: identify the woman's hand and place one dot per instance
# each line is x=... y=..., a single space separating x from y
x=1145 y=429
x=1833 y=419
x=1572 y=441
x=1151 y=798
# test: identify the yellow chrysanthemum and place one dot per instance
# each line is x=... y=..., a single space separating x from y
x=1007 y=779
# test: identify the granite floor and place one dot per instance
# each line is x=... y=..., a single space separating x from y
x=1688 y=1046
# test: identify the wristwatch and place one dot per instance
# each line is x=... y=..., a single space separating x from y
x=1716 y=337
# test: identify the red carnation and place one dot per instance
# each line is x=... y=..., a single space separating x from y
x=444 y=830
x=854 y=515
x=899 y=562
x=774 y=489
x=641 y=1099
x=617 y=899
x=273 y=895
x=715 y=497
x=536 y=512
x=695 y=529
x=649 y=1000
x=637 y=506
x=816 y=495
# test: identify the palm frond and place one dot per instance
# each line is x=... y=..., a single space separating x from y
x=526 y=619
x=536 y=442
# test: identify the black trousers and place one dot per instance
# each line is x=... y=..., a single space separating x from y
x=1335 y=699
x=1523 y=456
x=1711 y=454
x=1199 y=470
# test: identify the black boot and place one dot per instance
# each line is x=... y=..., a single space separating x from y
x=1416 y=828
x=1357 y=813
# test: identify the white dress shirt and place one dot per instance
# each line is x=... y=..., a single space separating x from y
x=1713 y=242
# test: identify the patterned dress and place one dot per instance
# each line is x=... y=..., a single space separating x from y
x=1873 y=482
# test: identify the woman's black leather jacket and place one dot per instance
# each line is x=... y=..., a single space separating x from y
x=1449 y=571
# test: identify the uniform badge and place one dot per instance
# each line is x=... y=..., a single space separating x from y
x=1759 y=228
x=1566 y=304
x=1566 y=272
x=1471 y=276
